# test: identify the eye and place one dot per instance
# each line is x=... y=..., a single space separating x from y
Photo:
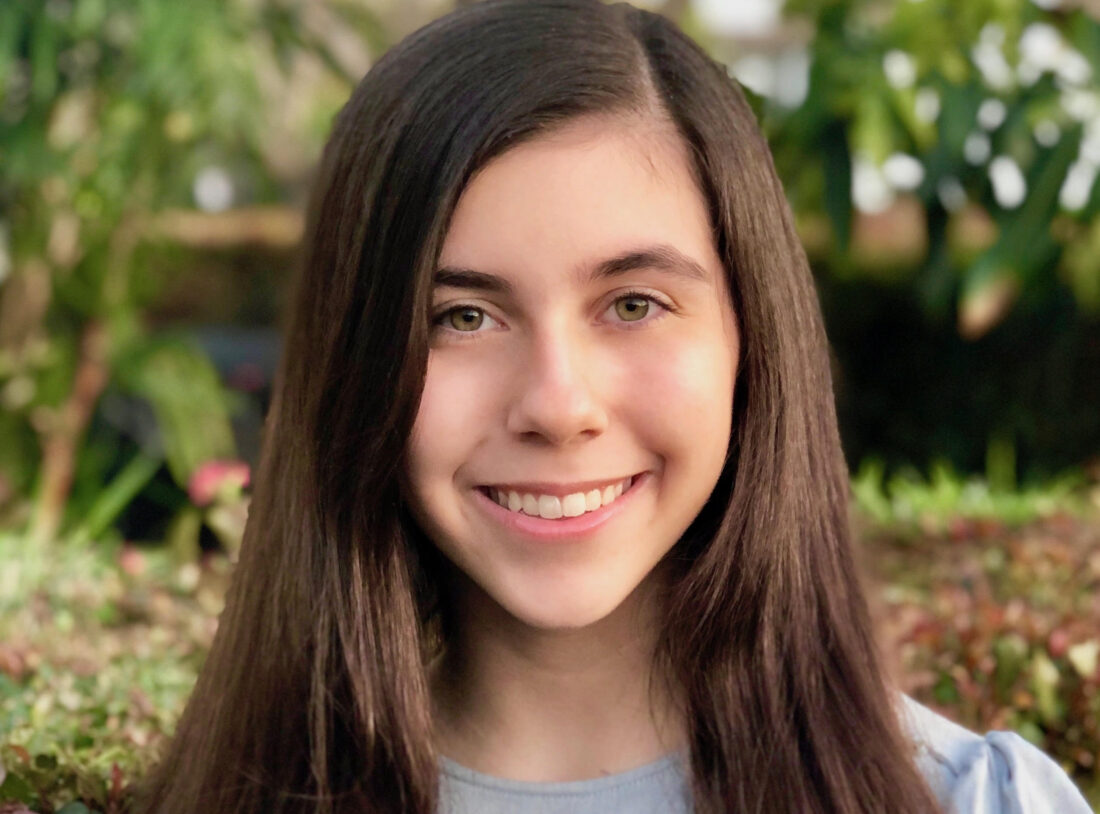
x=636 y=306
x=632 y=309
x=462 y=319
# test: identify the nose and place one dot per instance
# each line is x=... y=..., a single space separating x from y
x=557 y=397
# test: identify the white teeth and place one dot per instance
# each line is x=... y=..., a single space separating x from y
x=573 y=505
x=552 y=507
x=549 y=507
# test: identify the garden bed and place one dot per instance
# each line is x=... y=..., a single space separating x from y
x=993 y=626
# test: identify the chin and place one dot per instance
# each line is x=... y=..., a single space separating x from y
x=564 y=618
x=564 y=607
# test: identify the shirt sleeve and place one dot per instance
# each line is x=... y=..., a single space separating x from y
x=1010 y=776
x=1000 y=773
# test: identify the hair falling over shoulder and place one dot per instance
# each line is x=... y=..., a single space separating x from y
x=314 y=697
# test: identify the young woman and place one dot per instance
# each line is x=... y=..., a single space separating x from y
x=552 y=513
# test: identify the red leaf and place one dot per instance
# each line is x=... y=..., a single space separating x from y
x=1057 y=643
x=116 y=784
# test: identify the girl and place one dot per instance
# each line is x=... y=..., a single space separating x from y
x=552 y=513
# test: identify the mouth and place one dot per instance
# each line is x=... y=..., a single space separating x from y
x=552 y=505
x=555 y=516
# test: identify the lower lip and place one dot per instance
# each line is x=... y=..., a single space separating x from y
x=564 y=528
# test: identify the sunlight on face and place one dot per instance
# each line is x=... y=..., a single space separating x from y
x=583 y=334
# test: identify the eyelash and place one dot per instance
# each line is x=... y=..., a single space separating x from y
x=664 y=305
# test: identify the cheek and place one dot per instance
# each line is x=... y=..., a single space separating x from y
x=455 y=409
x=684 y=391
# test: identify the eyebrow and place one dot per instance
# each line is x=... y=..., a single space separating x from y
x=659 y=257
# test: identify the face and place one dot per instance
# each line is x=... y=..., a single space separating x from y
x=583 y=343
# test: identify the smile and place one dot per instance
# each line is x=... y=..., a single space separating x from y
x=557 y=524
x=552 y=507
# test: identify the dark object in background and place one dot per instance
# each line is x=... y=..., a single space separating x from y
x=910 y=391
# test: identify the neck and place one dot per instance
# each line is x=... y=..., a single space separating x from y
x=552 y=705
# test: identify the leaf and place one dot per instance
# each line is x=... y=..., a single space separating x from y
x=1044 y=680
x=838 y=181
x=983 y=305
x=17 y=788
x=188 y=399
x=115 y=794
x=75 y=807
x=1010 y=653
x=115 y=497
x=10 y=21
x=44 y=72
x=182 y=536
x=1025 y=245
x=1085 y=657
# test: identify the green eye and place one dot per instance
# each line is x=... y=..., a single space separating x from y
x=466 y=319
x=632 y=309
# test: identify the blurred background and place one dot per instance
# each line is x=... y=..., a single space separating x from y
x=941 y=159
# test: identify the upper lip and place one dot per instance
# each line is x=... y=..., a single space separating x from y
x=556 y=489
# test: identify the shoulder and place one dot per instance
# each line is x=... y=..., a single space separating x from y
x=998 y=773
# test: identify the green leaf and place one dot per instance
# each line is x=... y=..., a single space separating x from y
x=110 y=502
x=15 y=787
x=44 y=72
x=1025 y=245
x=1044 y=682
x=1010 y=652
x=188 y=399
x=838 y=181
x=74 y=807
x=1031 y=732
x=10 y=22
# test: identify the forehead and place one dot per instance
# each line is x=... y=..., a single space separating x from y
x=584 y=191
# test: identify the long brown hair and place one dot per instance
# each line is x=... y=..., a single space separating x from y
x=314 y=697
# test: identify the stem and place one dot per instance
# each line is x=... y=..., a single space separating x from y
x=60 y=439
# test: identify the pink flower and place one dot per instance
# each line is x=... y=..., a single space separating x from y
x=131 y=561
x=215 y=478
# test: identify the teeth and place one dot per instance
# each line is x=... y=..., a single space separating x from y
x=552 y=507
x=573 y=505
x=549 y=507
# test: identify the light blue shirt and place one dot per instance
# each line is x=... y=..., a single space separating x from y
x=1000 y=773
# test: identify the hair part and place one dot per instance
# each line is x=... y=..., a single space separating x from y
x=314 y=697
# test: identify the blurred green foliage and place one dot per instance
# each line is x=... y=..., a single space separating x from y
x=905 y=500
x=99 y=649
x=109 y=113
x=942 y=165
x=955 y=87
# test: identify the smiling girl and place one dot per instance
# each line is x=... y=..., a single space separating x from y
x=552 y=513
